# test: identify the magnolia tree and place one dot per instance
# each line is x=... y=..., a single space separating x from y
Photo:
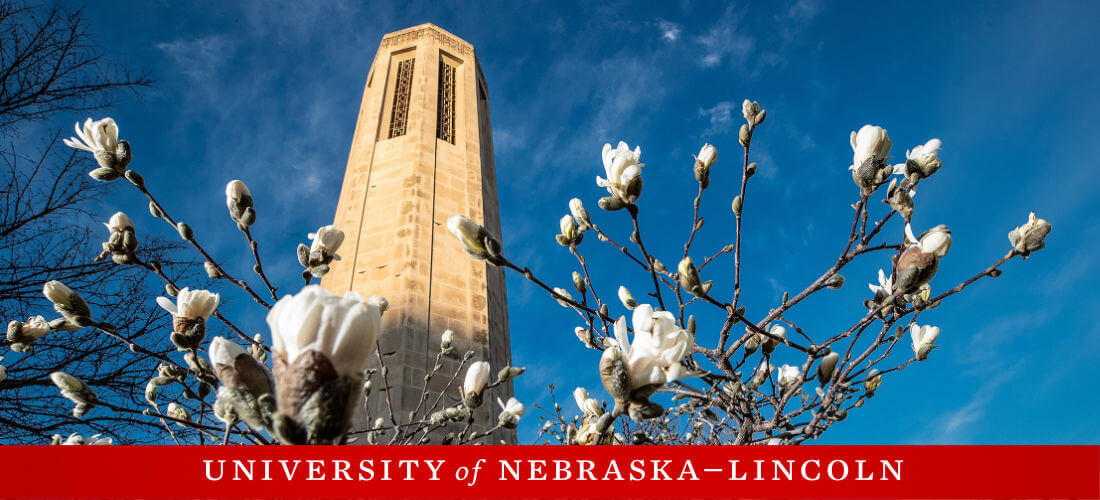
x=723 y=385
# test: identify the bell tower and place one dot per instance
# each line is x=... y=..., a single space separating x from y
x=422 y=152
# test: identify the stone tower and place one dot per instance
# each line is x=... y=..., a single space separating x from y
x=422 y=152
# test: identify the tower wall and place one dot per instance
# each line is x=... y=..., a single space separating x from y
x=406 y=175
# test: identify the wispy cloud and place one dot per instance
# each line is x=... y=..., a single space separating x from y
x=720 y=116
x=726 y=41
x=199 y=59
x=670 y=31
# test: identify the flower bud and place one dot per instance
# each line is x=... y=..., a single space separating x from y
x=446 y=340
x=749 y=110
x=576 y=208
x=509 y=372
x=689 y=277
x=750 y=170
x=789 y=377
x=569 y=235
x=615 y=375
x=475 y=239
x=212 y=270
x=578 y=283
x=67 y=302
x=239 y=201
x=872 y=382
x=745 y=135
x=477 y=378
x=737 y=205
x=563 y=297
x=825 y=369
x=381 y=303
x=835 y=281
x=178 y=412
x=185 y=231
x=627 y=298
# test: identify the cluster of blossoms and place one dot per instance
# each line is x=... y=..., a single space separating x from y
x=661 y=350
x=321 y=341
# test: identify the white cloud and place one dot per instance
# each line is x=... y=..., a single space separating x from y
x=720 y=116
x=669 y=30
x=725 y=42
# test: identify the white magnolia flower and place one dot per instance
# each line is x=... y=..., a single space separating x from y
x=789 y=376
x=924 y=157
x=1031 y=236
x=936 y=241
x=623 y=170
x=477 y=377
x=342 y=328
x=99 y=135
x=513 y=409
x=327 y=239
x=762 y=373
x=923 y=337
x=627 y=298
x=885 y=285
x=119 y=222
x=707 y=155
x=191 y=304
x=224 y=351
x=589 y=406
x=659 y=344
x=34 y=328
x=870 y=141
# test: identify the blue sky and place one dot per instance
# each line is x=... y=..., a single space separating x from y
x=268 y=92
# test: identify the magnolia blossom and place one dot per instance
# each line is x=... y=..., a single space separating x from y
x=471 y=234
x=761 y=374
x=707 y=155
x=327 y=239
x=191 y=304
x=922 y=160
x=624 y=172
x=34 y=328
x=96 y=136
x=119 y=222
x=923 y=337
x=477 y=378
x=341 y=328
x=446 y=339
x=627 y=298
x=576 y=208
x=789 y=376
x=884 y=288
x=653 y=358
x=1031 y=236
x=589 y=406
x=828 y=364
x=510 y=412
x=239 y=201
x=569 y=235
x=936 y=241
x=870 y=142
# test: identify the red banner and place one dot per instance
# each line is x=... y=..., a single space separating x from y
x=550 y=471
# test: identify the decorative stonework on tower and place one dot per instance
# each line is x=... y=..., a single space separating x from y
x=422 y=152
